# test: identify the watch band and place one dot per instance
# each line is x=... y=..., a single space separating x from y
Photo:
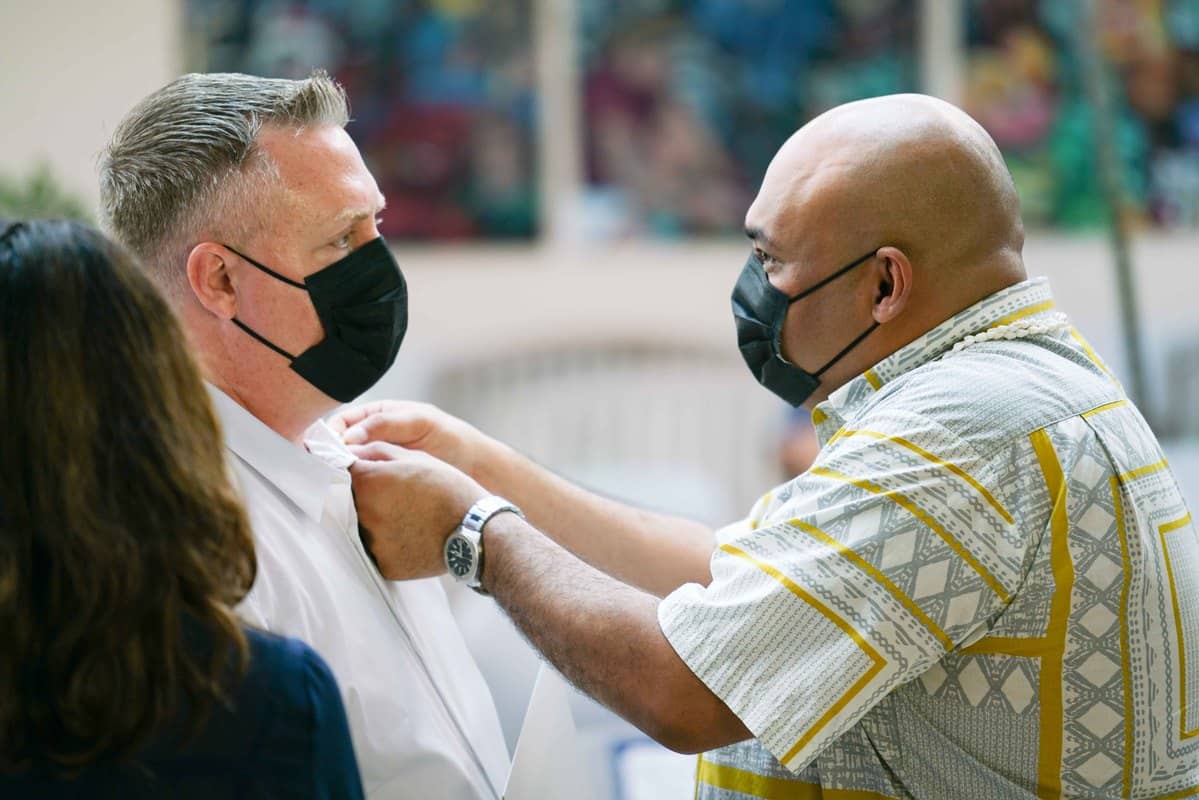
x=485 y=509
x=478 y=516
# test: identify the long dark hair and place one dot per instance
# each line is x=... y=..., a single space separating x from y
x=122 y=541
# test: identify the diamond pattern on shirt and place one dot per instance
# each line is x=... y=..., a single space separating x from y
x=994 y=681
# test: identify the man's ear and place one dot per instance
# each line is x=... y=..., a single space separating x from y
x=893 y=287
x=208 y=276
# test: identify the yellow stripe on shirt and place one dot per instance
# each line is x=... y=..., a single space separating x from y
x=1027 y=311
x=769 y=787
x=849 y=630
x=922 y=515
x=954 y=468
x=880 y=578
x=1049 y=756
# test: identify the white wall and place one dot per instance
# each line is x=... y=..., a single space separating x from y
x=69 y=69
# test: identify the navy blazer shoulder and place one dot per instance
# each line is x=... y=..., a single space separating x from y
x=286 y=735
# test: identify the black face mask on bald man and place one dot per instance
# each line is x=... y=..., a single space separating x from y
x=362 y=303
x=760 y=310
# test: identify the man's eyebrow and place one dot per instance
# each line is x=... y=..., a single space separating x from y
x=350 y=216
x=758 y=235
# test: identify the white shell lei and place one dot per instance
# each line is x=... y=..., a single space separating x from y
x=1020 y=329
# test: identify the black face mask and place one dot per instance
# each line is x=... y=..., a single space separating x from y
x=760 y=310
x=362 y=303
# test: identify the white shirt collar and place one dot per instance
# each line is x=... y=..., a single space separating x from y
x=304 y=476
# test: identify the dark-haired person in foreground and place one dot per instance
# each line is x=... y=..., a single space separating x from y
x=123 y=549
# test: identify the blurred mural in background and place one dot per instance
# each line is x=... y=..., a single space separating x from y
x=1023 y=83
x=685 y=102
x=442 y=96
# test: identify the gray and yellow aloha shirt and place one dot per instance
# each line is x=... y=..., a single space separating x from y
x=987 y=586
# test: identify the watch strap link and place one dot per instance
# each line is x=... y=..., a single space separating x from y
x=487 y=508
x=478 y=516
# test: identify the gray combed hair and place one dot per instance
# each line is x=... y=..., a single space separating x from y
x=184 y=165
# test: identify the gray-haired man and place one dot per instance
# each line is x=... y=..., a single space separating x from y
x=252 y=209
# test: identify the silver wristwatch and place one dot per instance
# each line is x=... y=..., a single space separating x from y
x=464 y=548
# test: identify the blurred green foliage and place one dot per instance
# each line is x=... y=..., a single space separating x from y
x=39 y=195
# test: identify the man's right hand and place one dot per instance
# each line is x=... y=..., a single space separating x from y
x=415 y=426
x=654 y=552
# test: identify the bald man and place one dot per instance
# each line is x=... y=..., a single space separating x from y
x=987 y=585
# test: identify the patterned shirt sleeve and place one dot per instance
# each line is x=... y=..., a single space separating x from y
x=848 y=582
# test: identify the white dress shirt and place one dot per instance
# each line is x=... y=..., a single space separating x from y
x=421 y=717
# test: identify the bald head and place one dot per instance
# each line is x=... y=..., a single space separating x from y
x=914 y=184
x=908 y=171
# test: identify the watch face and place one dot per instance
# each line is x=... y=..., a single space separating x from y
x=459 y=556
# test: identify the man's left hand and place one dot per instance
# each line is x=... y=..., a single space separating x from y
x=408 y=505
